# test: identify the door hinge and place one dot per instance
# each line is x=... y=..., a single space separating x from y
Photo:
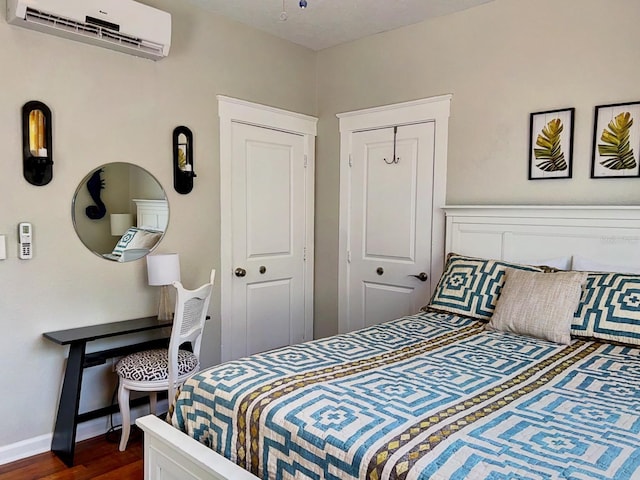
x=304 y=254
x=348 y=256
x=306 y=161
x=350 y=160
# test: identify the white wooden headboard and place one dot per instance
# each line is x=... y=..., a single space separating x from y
x=527 y=234
x=152 y=214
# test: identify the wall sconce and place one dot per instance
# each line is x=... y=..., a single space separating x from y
x=183 y=172
x=37 y=147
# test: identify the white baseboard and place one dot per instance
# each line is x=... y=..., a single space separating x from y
x=25 y=448
x=93 y=428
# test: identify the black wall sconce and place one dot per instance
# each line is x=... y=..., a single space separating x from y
x=183 y=171
x=37 y=147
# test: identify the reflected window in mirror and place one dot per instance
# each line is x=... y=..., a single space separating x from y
x=120 y=211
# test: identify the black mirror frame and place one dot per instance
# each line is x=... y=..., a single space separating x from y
x=37 y=170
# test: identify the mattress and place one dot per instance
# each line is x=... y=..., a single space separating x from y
x=429 y=396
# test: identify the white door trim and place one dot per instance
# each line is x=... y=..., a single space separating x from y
x=434 y=109
x=232 y=110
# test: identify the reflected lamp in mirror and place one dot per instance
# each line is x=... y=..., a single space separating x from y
x=163 y=270
x=183 y=172
x=120 y=223
x=37 y=150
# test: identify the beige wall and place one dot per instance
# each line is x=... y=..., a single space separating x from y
x=501 y=61
x=109 y=106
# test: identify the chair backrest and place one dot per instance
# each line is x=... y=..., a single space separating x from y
x=188 y=324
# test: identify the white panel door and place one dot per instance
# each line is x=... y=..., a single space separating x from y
x=390 y=223
x=268 y=239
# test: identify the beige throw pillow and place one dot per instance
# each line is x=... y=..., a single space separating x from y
x=538 y=305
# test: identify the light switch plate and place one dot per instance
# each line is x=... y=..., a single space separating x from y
x=3 y=247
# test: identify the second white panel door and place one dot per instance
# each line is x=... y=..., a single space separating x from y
x=390 y=223
x=268 y=230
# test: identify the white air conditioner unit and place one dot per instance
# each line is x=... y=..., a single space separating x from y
x=122 y=25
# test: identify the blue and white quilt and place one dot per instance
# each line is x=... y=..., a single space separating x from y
x=431 y=396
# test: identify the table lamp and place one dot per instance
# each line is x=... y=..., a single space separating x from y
x=162 y=270
x=120 y=223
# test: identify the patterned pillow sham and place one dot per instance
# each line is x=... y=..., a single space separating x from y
x=470 y=286
x=136 y=237
x=609 y=308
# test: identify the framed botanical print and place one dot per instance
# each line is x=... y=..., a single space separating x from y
x=616 y=141
x=551 y=144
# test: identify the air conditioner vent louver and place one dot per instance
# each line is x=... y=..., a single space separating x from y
x=92 y=31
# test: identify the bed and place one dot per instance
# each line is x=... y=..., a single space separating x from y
x=460 y=390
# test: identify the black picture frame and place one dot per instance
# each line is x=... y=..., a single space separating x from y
x=551 y=144
x=616 y=141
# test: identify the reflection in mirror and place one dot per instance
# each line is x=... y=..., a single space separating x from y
x=120 y=211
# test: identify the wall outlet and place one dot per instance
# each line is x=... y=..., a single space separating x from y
x=3 y=247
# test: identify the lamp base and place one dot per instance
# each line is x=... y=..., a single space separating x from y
x=165 y=309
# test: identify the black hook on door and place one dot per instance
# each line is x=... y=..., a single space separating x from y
x=394 y=159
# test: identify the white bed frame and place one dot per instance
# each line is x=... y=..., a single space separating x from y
x=529 y=234
x=525 y=234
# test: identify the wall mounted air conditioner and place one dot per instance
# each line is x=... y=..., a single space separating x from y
x=122 y=25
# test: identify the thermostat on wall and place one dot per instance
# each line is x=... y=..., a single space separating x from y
x=25 y=241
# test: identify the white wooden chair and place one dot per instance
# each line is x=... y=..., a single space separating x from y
x=166 y=369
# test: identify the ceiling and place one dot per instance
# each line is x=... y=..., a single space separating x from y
x=326 y=23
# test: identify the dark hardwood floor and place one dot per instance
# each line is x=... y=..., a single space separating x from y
x=95 y=459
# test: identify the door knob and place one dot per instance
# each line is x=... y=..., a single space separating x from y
x=422 y=276
x=240 y=272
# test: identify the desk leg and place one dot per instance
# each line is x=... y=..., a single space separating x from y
x=64 y=434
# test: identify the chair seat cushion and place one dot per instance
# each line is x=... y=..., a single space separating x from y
x=153 y=365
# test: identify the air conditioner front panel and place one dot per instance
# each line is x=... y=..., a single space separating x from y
x=123 y=25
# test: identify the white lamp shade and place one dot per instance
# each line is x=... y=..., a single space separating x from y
x=163 y=269
x=120 y=222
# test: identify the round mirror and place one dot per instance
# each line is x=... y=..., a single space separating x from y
x=120 y=211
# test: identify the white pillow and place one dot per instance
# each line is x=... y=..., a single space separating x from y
x=561 y=263
x=587 y=265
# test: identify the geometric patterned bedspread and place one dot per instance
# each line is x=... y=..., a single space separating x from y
x=430 y=396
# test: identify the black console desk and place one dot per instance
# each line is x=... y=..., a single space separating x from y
x=64 y=434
